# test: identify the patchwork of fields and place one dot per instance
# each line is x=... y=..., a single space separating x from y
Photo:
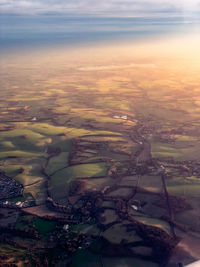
x=104 y=165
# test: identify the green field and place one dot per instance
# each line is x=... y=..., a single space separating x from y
x=118 y=232
x=61 y=180
x=57 y=163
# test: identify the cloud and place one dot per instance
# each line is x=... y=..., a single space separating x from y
x=111 y=7
x=113 y=67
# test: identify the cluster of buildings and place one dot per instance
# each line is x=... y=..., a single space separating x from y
x=9 y=187
x=124 y=117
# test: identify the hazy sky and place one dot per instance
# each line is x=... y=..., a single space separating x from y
x=99 y=7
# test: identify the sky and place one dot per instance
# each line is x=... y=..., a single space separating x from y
x=99 y=7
